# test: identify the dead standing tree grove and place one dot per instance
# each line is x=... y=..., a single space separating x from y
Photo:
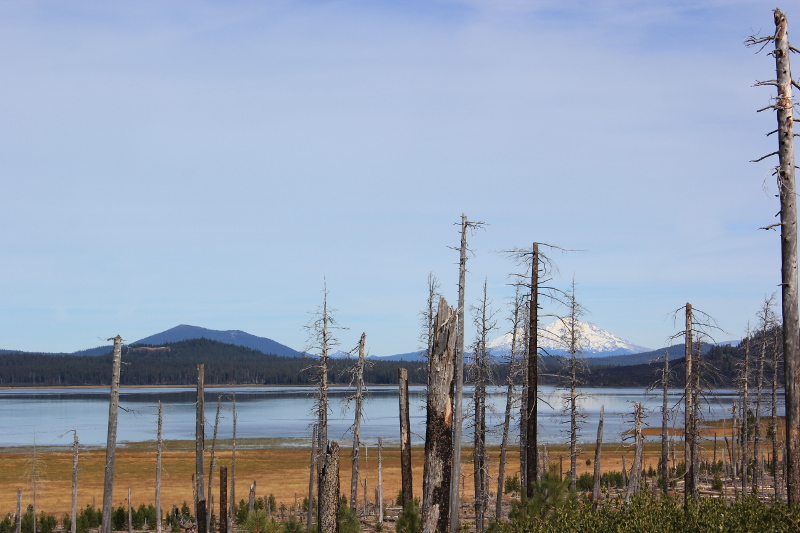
x=439 y=423
x=783 y=105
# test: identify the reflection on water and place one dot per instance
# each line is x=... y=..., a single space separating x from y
x=49 y=415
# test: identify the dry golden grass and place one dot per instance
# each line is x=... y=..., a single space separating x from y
x=282 y=472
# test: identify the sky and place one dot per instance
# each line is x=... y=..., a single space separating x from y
x=219 y=163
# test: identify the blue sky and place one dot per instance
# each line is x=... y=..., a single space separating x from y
x=211 y=163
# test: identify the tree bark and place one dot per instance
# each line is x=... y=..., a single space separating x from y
x=634 y=483
x=19 y=512
x=111 y=442
x=74 y=510
x=212 y=463
x=439 y=428
x=745 y=437
x=312 y=469
x=665 y=424
x=532 y=407
x=501 y=469
x=223 y=499
x=597 y=451
x=251 y=499
x=159 y=449
x=357 y=423
x=130 y=515
x=328 y=497
x=405 y=439
x=380 y=481
x=455 y=499
x=689 y=487
x=232 y=512
x=199 y=449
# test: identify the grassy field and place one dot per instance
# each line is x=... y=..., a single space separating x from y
x=278 y=470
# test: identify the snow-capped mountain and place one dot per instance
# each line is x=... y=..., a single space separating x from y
x=594 y=341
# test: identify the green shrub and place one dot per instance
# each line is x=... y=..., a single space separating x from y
x=409 y=520
x=585 y=482
x=348 y=521
x=258 y=522
x=512 y=485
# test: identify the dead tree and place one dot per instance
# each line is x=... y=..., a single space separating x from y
x=481 y=374
x=515 y=318
x=458 y=417
x=439 y=426
x=19 y=512
x=232 y=511
x=130 y=514
x=690 y=410
x=74 y=508
x=783 y=104
x=665 y=424
x=776 y=446
x=540 y=266
x=357 y=378
x=251 y=499
x=572 y=341
x=159 y=450
x=597 y=453
x=767 y=323
x=405 y=439
x=199 y=449
x=212 y=463
x=745 y=435
x=380 y=481
x=328 y=497
x=428 y=314
x=634 y=480
x=111 y=442
x=223 y=499
x=321 y=340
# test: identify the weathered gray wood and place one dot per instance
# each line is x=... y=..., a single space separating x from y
x=359 y=397
x=223 y=499
x=312 y=468
x=774 y=420
x=212 y=464
x=328 y=490
x=458 y=416
x=480 y=369
x=251 y=499
x=19 y=512
x=130 y=514
x=199 y=450
x=74 y=508
x=665 y=423
x=439 y=427
x=405 y=439
x=634 y=483
x=597 y=453
x=111 y=441
x=689 y=486
x=745 y=383
x=159 y=450
x=232 y=512
x=380 y=481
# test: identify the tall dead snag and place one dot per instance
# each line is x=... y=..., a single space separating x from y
x=159 y=449
x=597 y=451
x=665 y=424
x=19 y=512
x=111 y=442
x=458 y=417
x=199 y=448
x=767 y=323
x=328 y=497
x=232 y=511
x=481 y=374
x=380 y=481
x=634 y=483
x=405 y=439
x=515 y=318
x=357 y=377
x=784 y=107
x=74 y=509
x=130 y=514
x=212 y=463
x=745 y=434
x=774 y=412
x=689 y=484
x=439 y=426
x=571 y=340
x=223 y=499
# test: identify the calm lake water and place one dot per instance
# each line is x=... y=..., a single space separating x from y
x=50 y=415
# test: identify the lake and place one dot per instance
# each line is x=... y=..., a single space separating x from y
x=49 y=415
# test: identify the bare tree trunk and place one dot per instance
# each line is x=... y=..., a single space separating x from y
x=501 y=472
x=74 y=509
x=130 y=515
x=745 y=452
x=597 y=452
x=232 y=512
x=624 y=473
x=223 y=499
x=366 y=477
x=212 y=463
x=328 y=497
x=774 y=422
x=665 y=424
x=532 y=408
x=405 y=439
x=439 y=427
x=380 y=481
x=19 y=512
x=159 y=449
x=199 y=450
x=757 y=462
x=111 y=442
x=454 y=499
x=312 y=470
x=689 y=487
x=634 y=485
x=357 y=423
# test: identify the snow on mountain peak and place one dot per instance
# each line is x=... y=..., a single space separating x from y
x=594 y=341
